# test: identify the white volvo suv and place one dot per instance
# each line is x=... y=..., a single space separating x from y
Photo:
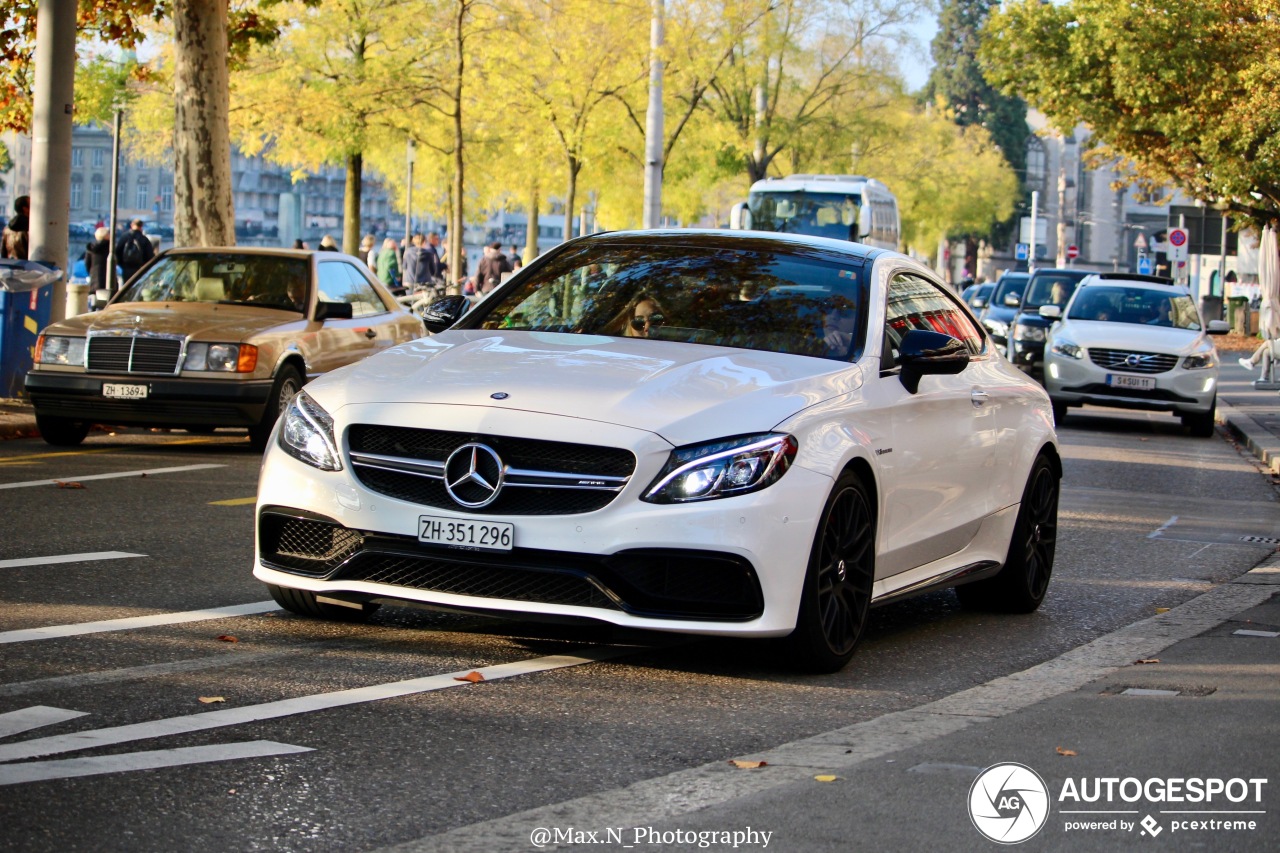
x=721 y=433
x=1133 y=342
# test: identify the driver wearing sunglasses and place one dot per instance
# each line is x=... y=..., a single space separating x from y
x=643 y=318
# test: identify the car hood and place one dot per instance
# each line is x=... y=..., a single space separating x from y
x=683 y=392
x=1136 y=337
x=202 y=321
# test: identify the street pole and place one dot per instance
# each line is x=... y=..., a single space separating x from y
x=653 y=132
x=1222 y=258
x=115 y=200
x=53 y=94
x=1031 y=248
x=408 y=194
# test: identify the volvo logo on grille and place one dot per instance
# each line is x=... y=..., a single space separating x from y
x=473 y=475
x=1133 y=359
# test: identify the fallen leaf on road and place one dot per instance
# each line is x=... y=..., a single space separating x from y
x=1148 y=660
x=227 y=638
x=472 y=676
x=748 y=765
x=65 y=484
x=825 y=778
x=209 y=700
x=144 y=473
x=1062 y=751
x=1162 y=610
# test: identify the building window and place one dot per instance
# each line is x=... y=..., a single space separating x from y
x=143 y=195
x=77 y=194
x=77 y=157
x=99 y=157
x=166 y=197
x=95 y=194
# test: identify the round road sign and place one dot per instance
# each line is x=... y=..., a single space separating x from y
x=1178 y=237
x=1073 y=251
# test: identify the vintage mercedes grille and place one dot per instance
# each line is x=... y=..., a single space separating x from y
x=133 y=354
x=538 y=477
x=1132 y=362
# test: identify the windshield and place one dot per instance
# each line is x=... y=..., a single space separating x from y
x=1009 y=284
x=747 y=298
x=1135 y=305
x=224 y=278
x=1050 y=289
x=833 y=215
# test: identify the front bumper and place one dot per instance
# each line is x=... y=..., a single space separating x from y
x=170 y=401
x=1027 y=355
x=1078 y=382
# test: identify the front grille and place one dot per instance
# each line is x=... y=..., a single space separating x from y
x=542 y=477
x=660 y=583
x=133 y=354
x=1132 y=362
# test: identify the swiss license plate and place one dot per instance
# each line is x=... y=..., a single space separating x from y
x=1142 y=383
x=124 y=392
x=466 y=532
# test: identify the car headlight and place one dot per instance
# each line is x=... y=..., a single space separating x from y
x=307 y=434
x=226 y=358
x=1023 y=332
x=57 y=349
x=1200 y=361
x=1000 y=330
x=722 y=469
x=1067 y=349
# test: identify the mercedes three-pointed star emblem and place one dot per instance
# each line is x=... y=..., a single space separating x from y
x=473 y=475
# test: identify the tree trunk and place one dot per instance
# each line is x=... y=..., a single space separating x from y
x=575 y=166
x=204 y=210
x=531 y=230
x=453 y=250
x=351 y=204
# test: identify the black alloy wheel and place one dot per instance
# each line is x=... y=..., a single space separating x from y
x=837 y=588
x=1021 y=584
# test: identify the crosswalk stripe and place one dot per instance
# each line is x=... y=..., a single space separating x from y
x=130 y=623
x=17 y=722
x=42 y=771
x=67 y=558
x=81 y=479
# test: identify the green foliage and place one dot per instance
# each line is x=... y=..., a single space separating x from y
x=6 y=162
x=1182 y=93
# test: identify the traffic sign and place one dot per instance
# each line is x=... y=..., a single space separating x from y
x=1073 y=251
x=1177 y=240
x=1020 y=251
x=1144 y=265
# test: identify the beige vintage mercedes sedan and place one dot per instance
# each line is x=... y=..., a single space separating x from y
x=211 y=337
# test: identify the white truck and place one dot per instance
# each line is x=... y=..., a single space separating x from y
x=842 y=207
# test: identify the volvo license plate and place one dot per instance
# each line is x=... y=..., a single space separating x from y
x=1142 y=383
x=123 y=391
x=466 y=533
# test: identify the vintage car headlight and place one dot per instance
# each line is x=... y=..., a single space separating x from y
x=58 y=349
x=1066 y=348
x=1022 y=332
x=722 y=469
x=307 y=434
x=1200 y=361
x=227 y=358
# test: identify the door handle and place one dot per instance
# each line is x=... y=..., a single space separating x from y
x=370 y=333
x=979 y=397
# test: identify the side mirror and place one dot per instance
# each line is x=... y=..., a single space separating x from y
x=333 y=311
x=1218 y=327
x=444 y=312
x=1012 y=300
x=978 y=303
x=924 y=353
x=740 y=217
x=1051 y=312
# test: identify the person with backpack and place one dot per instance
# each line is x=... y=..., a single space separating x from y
x=134 y=250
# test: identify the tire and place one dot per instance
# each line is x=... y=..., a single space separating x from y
x=61 y=432
x=288 y=382
x=1059 y=413
x=304 y=603
x=1201 y=424
x=1021 y=584
x=836 y=597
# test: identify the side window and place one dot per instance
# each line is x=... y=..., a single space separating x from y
x=341 y=282
x=916 y=303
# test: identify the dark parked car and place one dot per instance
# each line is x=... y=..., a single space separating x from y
x=1003 y=307
x=1026 y=337
x=978 y=296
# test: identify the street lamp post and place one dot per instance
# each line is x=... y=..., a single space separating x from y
x=410 y=156
x=115 y=197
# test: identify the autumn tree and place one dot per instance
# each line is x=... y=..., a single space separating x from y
x=1183 y=93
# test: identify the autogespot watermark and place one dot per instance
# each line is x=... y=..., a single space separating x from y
x=1010 y=803
x=639 y=836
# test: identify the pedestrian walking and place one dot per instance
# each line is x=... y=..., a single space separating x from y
x=16 y=241
x=516 y=261
x=413 y=266
x=388 y=264
x=492 y=266
x=327 y=244
x=367 y=251
x=96 y=258
x=134 y=250
x=436 y=267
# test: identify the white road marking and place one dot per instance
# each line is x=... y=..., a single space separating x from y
x=129 y=623
x=133 y=673
x=17 y=722
x=1159 y=531
x=148 y=471
x=1245 y=632
x=67 y=558
x=301 y=705
x=41 y=771
x=1147 y=691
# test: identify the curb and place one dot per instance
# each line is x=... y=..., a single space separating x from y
x=1261 y=442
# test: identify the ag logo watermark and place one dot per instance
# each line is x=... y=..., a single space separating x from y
x=1009 y=803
